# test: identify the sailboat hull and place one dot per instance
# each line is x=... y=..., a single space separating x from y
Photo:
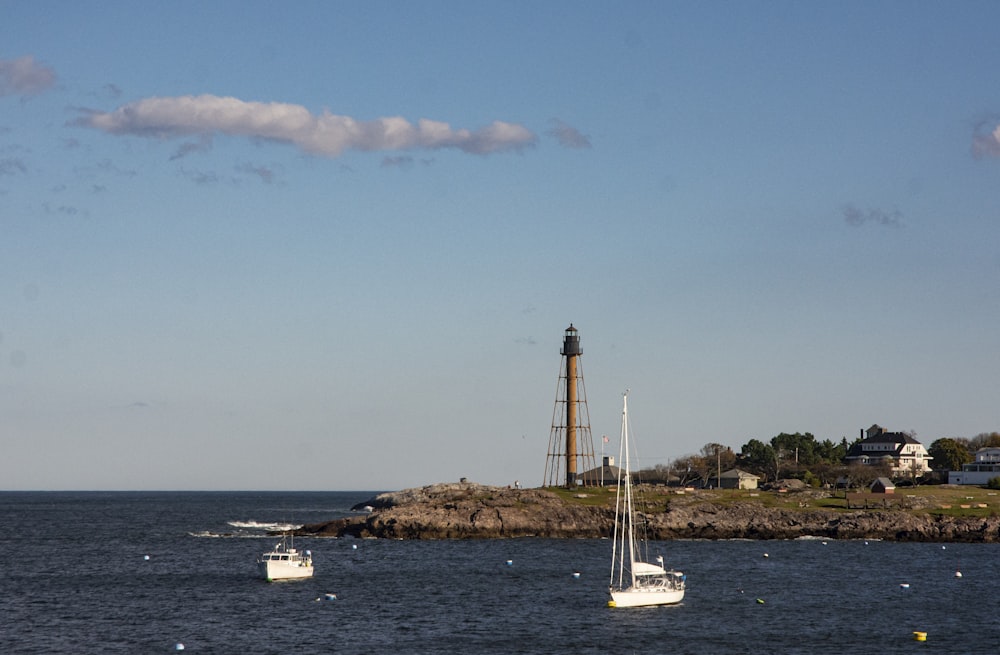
x=645 y=597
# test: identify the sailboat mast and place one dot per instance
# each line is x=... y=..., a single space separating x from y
x=628 y=490
x=621 y=512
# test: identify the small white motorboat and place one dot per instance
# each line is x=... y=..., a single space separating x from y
x=285 y=562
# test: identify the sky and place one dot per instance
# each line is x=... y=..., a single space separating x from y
x=335 y=245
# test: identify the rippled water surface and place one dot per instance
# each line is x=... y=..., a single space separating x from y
x=144 y=572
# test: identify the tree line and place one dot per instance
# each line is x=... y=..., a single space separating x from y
x=817 y=463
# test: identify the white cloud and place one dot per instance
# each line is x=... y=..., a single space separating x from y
x=23 y=76
x=324 y=134
x=986 y=141
x=568 y=136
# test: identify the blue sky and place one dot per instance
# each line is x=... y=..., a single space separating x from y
x=335 y=245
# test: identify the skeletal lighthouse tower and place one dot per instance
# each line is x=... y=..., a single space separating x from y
x=571 y=446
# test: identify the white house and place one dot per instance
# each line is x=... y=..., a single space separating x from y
x=986 y=466
x=904 y=454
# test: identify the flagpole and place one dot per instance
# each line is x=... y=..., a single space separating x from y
x=604 y=440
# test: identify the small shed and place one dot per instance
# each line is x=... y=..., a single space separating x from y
x=883 y=486
x=735 y=479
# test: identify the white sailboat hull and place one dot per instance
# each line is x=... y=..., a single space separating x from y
x=640 y=597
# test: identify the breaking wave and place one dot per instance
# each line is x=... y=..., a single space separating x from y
x=263 y=525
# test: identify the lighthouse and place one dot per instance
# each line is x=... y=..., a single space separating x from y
x=571 y=447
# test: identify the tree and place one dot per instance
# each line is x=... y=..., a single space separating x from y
x=685 y=468
x=831 y=453
x=860 y=475
x=826 y=472
x=949 y=455
x=797 y=448
x=759 y=458
x=713 y=457
x=659 y=474
x=984 y=440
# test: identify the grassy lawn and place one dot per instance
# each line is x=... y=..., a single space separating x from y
x=947 y=500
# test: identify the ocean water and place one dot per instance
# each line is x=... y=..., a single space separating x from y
x=131 y=572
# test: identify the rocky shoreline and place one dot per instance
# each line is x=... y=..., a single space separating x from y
x=472 y=511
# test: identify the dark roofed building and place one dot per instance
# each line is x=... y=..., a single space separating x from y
x=883 y=486
x=605 y=474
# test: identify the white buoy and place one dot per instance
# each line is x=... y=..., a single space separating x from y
x=145 y=557
x=824 y=543
x=905 y=585
x=510 y=562
x=766 y=555
x=944 y=548
x=178 y=646
x=958 y=574
x=330 y=596
x=354 y=546
x=576 y=574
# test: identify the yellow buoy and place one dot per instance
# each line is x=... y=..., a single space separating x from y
x=919 y=636
x=612 y=603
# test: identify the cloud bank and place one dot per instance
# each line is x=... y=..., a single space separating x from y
x=568 y=136
x=23 y=76
x=857 y=217
x=324 y=134
x=986 y=141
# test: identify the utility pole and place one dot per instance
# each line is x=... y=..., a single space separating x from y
x=718 y=465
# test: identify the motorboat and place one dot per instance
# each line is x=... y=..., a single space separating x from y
x=285 y=562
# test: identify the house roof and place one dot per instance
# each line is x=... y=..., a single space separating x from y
x=899 y=439
x=891 y=437
x=738 y=474
x=610 y=474
x=884 y=482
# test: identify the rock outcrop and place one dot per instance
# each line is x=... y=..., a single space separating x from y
x=472 y=511
x=469 y=511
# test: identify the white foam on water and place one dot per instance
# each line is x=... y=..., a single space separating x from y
x=262 y=525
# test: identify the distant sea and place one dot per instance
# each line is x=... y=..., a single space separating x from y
x=143 y=572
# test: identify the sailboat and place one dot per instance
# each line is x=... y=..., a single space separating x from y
x=636 y=582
